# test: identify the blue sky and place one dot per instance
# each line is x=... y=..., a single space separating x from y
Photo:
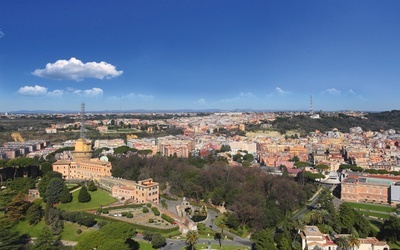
x=261 y=55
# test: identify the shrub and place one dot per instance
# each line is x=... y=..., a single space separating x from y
x=79 y=231
x=147 y=235
x=151 y=220
x=145 y=210
x=91 y=186
x=129 y=215
x=148 y=205
x=167 y=218
x=155 y=211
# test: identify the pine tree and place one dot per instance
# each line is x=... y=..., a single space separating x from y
x=46 y=241
x=9 y=236
x=54 y=189
x=84 y=195
x=16 y=210
x=65 y=195
x=34 y=214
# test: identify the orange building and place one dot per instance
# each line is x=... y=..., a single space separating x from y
x=139 y=192
x=83 y=167
x=367 y=188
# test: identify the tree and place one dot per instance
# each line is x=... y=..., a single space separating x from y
x=342 y=243
x=22 y=184
x=222 y=224
x=218 y=237
x=54 y=221
x=321 y=167
x=158 y=241
x=9 y=236
x=34 y=214
x=21 y=162
x=46 y=241
x=65 y=195
x=353 y=241
x=54 y=190
x=225 y=148
x=46 y=167
x=16 y=210
x=44 y=182
x=263 y=240
x=92 y=186
x=84 y=195
x=191 y=239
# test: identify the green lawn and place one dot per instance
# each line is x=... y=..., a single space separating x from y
x=375 y=214
x=99 y=197
x=70 y=231
x=372 y=207
x=33 y=230
x=216 y=246
x=144 y=245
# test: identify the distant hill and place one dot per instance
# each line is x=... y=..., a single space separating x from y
x=373 y=121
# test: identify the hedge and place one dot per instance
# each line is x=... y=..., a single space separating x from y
x=141 y=227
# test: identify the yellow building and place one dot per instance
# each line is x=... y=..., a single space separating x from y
x=139 y=192
x=83 y=166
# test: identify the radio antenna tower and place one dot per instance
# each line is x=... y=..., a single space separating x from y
x=83 y=131
x=311 y=105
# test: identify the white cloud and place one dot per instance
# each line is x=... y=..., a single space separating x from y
x=75 y=69
x=351 y=92
x=241 y=96
x=281 y=91
x=139 y=96
x=33 y=90
x=94 y=92
x=278 y=91
x=201 y=101
x=2 y=34
x=331 y=91
x=57 y=92
x=42 y=91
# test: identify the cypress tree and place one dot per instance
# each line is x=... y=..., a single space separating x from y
x=65 y=195
x=84 y=195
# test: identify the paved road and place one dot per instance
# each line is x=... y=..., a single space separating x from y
x=210 y=223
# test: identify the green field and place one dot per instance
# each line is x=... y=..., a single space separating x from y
x=372 y=207
x=33 y=230
x=69 y=232
x=375 y=214
x=199 y=246
x=99 y=198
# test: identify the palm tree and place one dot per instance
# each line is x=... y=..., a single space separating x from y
x=191 y=239
x=353 y=241
x=222 y=224
x=218 y=237
x=342 y=243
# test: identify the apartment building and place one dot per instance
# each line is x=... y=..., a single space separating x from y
x=142 y=191
x=368 y=188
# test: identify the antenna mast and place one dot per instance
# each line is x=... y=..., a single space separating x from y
x=311 y=106
x=83 y=131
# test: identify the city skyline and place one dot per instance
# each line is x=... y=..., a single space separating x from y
x=174 y=55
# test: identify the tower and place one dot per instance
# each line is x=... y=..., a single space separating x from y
x=311 y=105
x=83 y=131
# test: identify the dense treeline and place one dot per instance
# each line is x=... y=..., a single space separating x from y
x=374 y=122
x=256 y=199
